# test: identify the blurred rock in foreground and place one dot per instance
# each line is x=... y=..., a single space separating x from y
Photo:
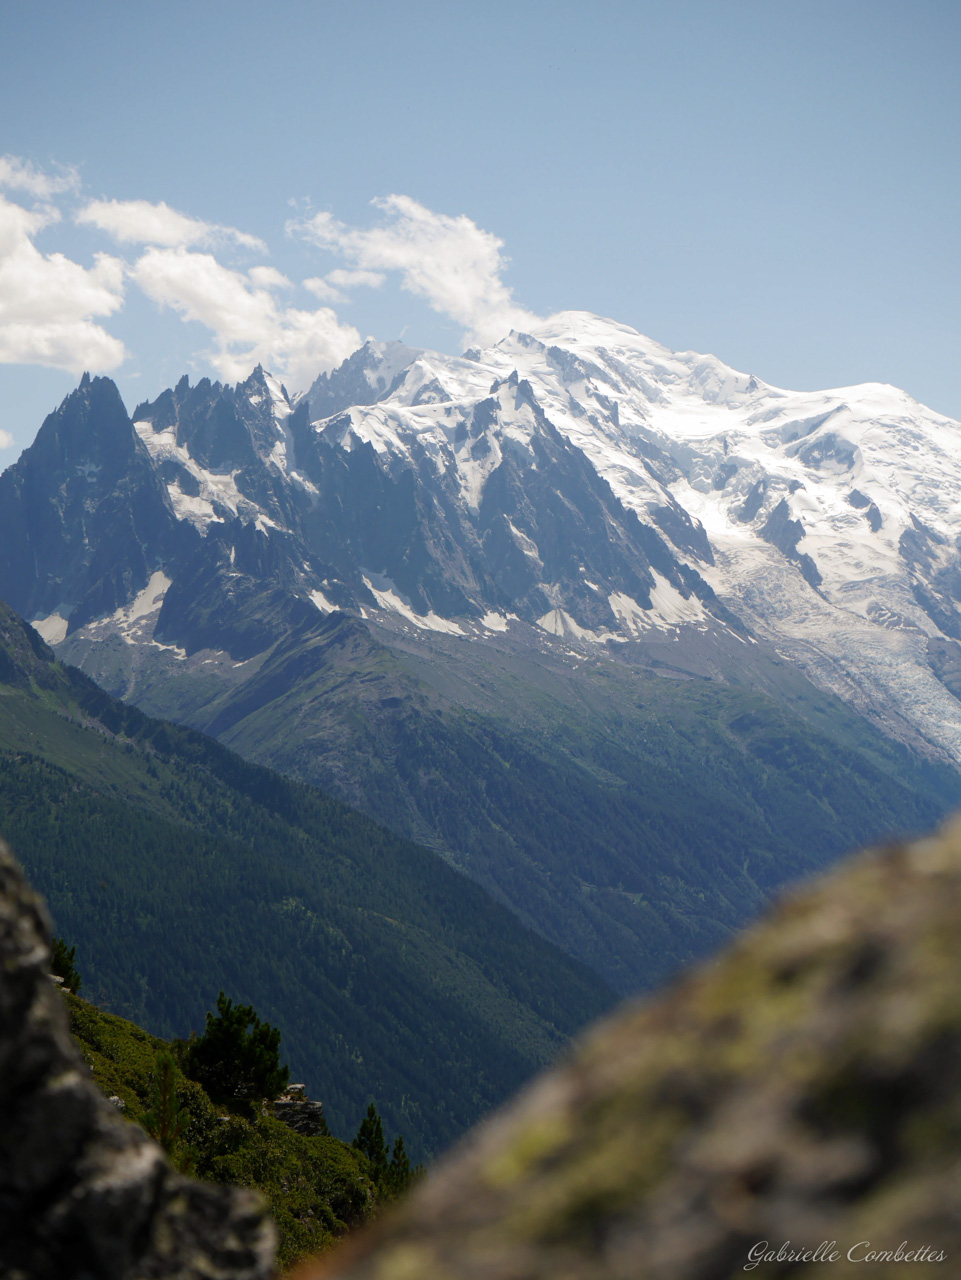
x=83 y=1193
x=805 y=1087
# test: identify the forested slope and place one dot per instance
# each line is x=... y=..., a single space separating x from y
x=632 y=813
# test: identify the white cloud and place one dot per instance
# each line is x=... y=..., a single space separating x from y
x=6 y=440
x=269 y=278
x=451 y=262
x=348 y=279
x=48 y=303
x=329 y=287
x=320 y=288
x=250 y=326
x=140 y=222
x=21 y=175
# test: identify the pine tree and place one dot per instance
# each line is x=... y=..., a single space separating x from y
x=166 y=1121
x=399 y=1173
x=370 y=1142
x=62 y=964
x=231 y=1062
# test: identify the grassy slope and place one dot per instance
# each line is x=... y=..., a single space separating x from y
x=316 y=1188
x=179 y=869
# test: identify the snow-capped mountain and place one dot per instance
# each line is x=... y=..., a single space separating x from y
x=828 y=522
x=448 y=589
x=579 y=481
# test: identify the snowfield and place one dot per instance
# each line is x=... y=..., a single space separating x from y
x=866 y=481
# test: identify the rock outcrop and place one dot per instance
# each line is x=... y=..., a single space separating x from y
x=83 y=1193
x=297 y=1112
x=804 y=1088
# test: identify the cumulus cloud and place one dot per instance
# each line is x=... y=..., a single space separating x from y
x=449 y=261
x=21 y=175
x=140 y=222
x=244 y=310
x=49 y=303
x=250 y=323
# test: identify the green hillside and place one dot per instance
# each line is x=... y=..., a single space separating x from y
x=178 y=869
x=317 y=1188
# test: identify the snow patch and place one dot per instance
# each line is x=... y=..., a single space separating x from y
x=672 y=606
x=526 y=544
x=496 y=621
x=386 y=361
x=53 y=627
x=279 y=403
x=133 y=622
x=668 y=608
x=557 y=622
x=192 y=508
x=632 y=616
x=150 y=599
x=322 y=603
x=173 y=650
x=387 y=598
x=218 y=491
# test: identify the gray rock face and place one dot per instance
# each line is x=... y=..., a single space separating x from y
x=364 y=378
x=804 y=1088
x=83 y=1193
x=297 y=1112
x=84 y=515
x=254 y=513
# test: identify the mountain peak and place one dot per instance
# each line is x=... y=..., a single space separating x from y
x=90 y=421
x=365 y=377
x=85 y=491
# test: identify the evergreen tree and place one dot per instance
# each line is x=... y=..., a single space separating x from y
x=370 y=1142
x=399 y=1173
x=62 y=964
x=167 y=1121
x=231 y=1062
x=392 y=1178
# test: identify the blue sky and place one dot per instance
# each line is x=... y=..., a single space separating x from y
x=776 y=183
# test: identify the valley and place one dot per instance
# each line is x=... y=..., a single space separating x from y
x=177 y=870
